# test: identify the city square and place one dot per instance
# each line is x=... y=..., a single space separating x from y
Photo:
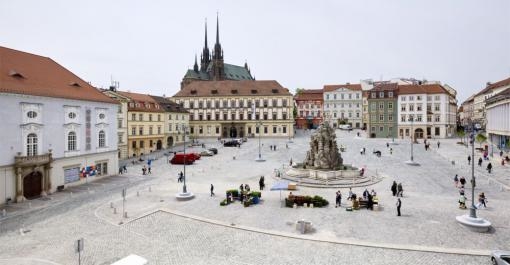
x=165 y=230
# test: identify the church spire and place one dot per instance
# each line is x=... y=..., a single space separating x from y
x=217 y=30
x=205 y=58
x=218 y=53
x=195 y=67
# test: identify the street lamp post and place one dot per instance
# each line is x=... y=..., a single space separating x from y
x=472 y=210
x=412 y=162
x=259 y=127
x=185 y=194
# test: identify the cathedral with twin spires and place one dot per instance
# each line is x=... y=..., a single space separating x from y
x=212 y=67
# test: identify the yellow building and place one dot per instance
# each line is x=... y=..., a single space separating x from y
x=176 y=118
x=231 y=109
x=145 y=124
x=122 y=116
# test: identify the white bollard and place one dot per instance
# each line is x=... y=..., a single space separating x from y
x=4 y=213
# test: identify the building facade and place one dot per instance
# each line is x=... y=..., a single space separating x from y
x=382 y=109
x=498 y=119
x=122 y=115
x=231 y=109
x=426 y=111
x=212 y=66
x=145 y=124
x=309 y=108
x=467 y=112
x=57 y=130
x=492 y=89
x=343 y=105
x=176 y=119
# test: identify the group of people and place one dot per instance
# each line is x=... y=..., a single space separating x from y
x=459 y=183
x=123 y=169
x=146 y=170
x=272 y=147
x=397 y=190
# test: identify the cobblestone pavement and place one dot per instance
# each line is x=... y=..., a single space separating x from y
x=429 y=209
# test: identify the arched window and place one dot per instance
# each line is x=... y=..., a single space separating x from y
x=102 y=139
x=32 y=144
x=71 y=141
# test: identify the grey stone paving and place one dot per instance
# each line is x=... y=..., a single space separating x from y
x=429 y=208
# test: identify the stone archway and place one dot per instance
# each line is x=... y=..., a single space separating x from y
x=233 y=132
x=32 y=185
x=169 y=141
x=418 y=133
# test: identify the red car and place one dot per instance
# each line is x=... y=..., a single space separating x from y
x=182 y=158
x=196 y=156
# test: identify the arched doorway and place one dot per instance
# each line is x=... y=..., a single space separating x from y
x=32 y=185
x=169 y=141
x=233 y=132
x=418 y=133
x=159 y=145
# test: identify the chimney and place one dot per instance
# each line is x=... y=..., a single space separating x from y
x=113 y=88
x=488 y=84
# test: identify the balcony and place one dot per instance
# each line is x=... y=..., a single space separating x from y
x=37 y=160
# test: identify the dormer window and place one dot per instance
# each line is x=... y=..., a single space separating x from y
x=214 y=91
x=193 y=92
x=275 y=91
x=254 y=91
x=13 y=73
x=234 y=91
x=32 y=114
x=74 y=84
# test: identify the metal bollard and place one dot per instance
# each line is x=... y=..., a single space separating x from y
x=111 y=204
x=114 y=210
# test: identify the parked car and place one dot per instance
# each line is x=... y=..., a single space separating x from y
x=232 y=143
x=214 y=150
x=183 y=158
x=500 y=257
x=345 y=127
x=206 y=153
x=196 y=156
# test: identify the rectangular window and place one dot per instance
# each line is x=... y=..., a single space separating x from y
x=418 y=117
x=150 y=130
x=142 y=144
x=274 y=116
x=257 y=116
x=429 y=107
x=257 y=130
x=436 y=107
x=411 y=98
x=411 y=107
x=402 y=118
x=133 y=130
x=159 y=117
x=265 y=103
x=418 y=97
x=403 y=107
x=140 y=130
x=381 y=117
x=119 y=123
x=381 y=105
x=265 y=116
x=274 y=129
x=217 y=104
x=275 y=103
x=133 y=117
x=284 y=129
x=436 y=97
x=381 y=128
x=140 y=117
x=284 y=103
x=159 y=129
x=373 y=95
x=257 y=103
x=284 y=116
x=390 y=105
x=233 y=116
x=429 y=118
x=133 y=144
x=150 y=117
x=241 y=116
x=169 y=116
x=437 y=131
x=191 y=104
x=265 y=129
x=403 y=98
x=390 y=117
x=381 y=94
x=217 y=130
x=225 y=116
x=200 y=116
x=372 y=129
x=438 y=118
x=372 y=106
x=200 y=130
x=418 y=107
x=390 y=94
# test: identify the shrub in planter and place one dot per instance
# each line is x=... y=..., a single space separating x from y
x=256 y=194
x=224 y=202
x=234 y=192
x=318 y=201
x=289 y=203
x=247 y=203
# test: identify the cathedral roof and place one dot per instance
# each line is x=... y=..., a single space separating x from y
x=232 y=72
x=233 y=88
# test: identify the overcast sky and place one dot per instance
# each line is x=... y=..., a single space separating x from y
x=148 y=45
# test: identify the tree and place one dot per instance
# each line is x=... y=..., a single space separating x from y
x=480 y=138
x=461 y=133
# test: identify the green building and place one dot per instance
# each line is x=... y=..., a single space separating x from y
x=382 y=110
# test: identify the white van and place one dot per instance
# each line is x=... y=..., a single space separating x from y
x=345 y=127
x=131 y=260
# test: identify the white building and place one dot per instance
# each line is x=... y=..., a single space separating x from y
x=57 y=130
x=492 y=89
x=428 y=110
x=343 y=103
x=498 y=119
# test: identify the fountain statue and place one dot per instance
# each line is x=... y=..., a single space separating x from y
x=323 y=152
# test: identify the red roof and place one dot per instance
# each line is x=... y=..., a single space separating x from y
x=422 y=89
x=145 y=102
x=504 y=82
x=355 y=87
x=309 y=94
x=30 y=74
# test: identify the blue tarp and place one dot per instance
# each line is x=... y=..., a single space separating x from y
x=281 y=185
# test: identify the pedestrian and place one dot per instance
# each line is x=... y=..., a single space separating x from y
x=286 y=146
x=399 y=204
x=120 y=170
x=350 y=194
x=387 y=145
x=125 y=169
x=400 y=190
x=394 y=188
x=501 y=153
x=370 y=202
x=149 y=170
x=480 y=161
x=290 y=162
x=274 y=147
x=365 y=194
x=337 y=199
x=462 y=201
x=438 y=144
x=361 y=151
x=144 y=169
x=391 y=151
x=482 y=200
x=502 y=161
x=469 y=160
x=364 y=150
x=456 y=180
x=489 y=167
x=212 y=190
x=462 y=181
x=261 y=183
x=246 y=188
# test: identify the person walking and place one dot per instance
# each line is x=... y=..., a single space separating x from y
x=438 y=144
x=125 y=169
x=462 y=181
x=469 y=160
x=399 y=204
x=482 y=200
x=456 y=180
x=489 y=167
x=350 y=194
x=400 y=190
x=212 y=190
x=387 y=145
x=149 y=170
x=394 y=188
x=480 y=160
x=337 y=199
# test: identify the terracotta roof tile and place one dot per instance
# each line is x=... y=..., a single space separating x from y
x=310 y=94
x=233 y=88
x=385 y=87
x=145 y=102
x=329 y=88
x=504 y=82
x=30 y=74
x=421 y=89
